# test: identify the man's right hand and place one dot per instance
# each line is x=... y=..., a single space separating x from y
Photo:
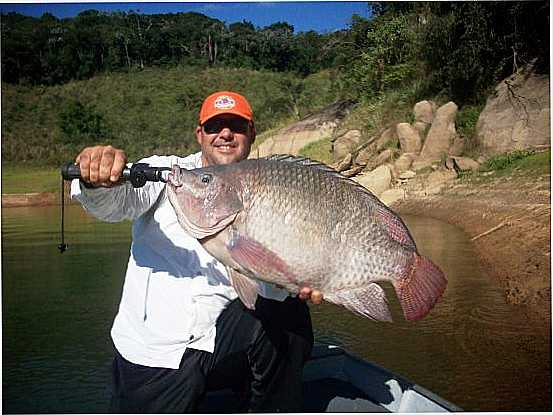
x=101 y=166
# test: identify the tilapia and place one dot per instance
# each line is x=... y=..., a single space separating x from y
x=298 y=223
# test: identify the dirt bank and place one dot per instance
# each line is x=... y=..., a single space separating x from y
x=30 y=199
x=509 y=219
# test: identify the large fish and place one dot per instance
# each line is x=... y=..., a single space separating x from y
x=297 y=223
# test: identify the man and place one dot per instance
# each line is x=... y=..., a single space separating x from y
x=180 y=328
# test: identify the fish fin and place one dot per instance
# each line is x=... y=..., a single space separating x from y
x=420 y=288
x=261 y=261
x=245 y=287
x=369 y=301
x=394 y=226
x=303 y=161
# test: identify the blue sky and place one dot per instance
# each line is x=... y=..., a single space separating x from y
x=322 y=16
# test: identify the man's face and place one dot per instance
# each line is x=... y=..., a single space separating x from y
x=225 y=139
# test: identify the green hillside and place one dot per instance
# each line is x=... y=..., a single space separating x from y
x=148 y=112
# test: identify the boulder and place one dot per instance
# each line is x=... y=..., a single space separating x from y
x=384 y=157
x=438 y=180
x=353 y=171
x=377 y=181
x=424 y=111
x=457 y=147
x=465 y=163
x=407 y=174
x=421 y=128
x=409 y=138
x=390 y=196
x=441 y=134
x=365 y=155
x=450 y=164
x=315 y=127
x=517 y=115
x=386 y=136
x=403 y=162
x=343 y=164
x=345 y=144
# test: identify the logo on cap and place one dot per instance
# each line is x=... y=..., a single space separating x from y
x=224 y=102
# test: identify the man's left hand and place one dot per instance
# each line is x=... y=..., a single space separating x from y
x=315 y=296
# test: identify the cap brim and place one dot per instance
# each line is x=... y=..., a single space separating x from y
x=229 y=111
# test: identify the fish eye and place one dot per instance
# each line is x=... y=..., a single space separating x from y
x=206 y=178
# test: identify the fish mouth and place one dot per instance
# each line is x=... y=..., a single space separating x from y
x=174 y=178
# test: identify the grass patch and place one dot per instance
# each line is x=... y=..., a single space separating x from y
x=17 y=179
x=519 y=161
x=319 y=150
x=466 y=120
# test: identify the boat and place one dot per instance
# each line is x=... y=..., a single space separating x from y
x=337 y=381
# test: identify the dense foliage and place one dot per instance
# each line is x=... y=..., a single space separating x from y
x=458 y=49
x=48 y=50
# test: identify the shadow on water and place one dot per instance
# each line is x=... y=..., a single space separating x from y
x=473 y=349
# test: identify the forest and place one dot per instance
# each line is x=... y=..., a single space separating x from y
x=159 y=66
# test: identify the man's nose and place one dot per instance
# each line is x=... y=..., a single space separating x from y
x=226 y=133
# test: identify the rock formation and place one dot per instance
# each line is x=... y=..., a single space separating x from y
x=517 y=115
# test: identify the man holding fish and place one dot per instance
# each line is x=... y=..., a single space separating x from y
x=180 y=329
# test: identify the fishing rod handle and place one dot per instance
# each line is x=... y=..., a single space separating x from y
x=71 y=171
x=138 y=174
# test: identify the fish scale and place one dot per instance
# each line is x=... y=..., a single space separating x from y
x=295 y=222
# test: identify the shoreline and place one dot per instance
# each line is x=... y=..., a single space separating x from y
x=508 y=221
x=13 y=200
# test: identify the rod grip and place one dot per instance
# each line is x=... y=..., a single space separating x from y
x=70 y=171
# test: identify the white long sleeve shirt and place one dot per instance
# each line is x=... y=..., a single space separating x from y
x=174 y=289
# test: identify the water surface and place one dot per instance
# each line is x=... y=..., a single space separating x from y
x=57 y=310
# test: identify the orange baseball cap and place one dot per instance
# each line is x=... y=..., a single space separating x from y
x=225 y=102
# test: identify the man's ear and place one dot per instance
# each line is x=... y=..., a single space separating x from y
x=199 y=134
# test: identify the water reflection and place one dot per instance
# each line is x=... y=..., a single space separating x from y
x=473 y=349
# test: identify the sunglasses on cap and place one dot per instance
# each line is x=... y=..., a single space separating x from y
x=236 y=125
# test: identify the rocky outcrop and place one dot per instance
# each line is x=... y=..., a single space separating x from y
x=517 y=115
x=385 y=138
x=343 y=164
x=377 y=181
x=466 y=163
x=424 y=111
x=346 y=144
x=409 y=138
x=391 y=196
x=364 y=156
x=441 y=135
x=403 y=162
x=292 y=139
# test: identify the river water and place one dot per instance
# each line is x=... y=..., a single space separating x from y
x=473 y=349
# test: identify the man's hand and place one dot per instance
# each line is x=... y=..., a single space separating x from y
x=101 y=165
x=315 y=296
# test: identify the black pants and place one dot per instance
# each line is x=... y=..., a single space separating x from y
x=258 y=353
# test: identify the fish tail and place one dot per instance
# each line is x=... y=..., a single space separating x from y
x=420 y=288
